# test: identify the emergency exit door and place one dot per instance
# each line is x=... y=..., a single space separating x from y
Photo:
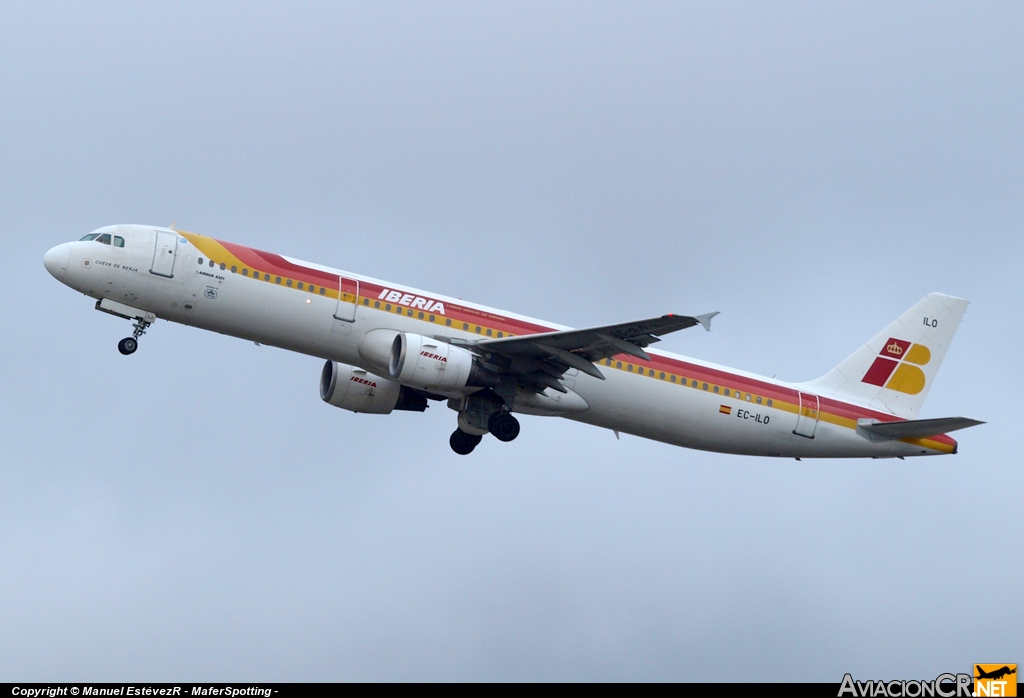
x=164 y=254
x=807 y=415
x=348 y=297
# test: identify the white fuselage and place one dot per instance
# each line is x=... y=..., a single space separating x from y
x=718 y=409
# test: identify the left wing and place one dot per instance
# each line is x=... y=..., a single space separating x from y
x=539 y=360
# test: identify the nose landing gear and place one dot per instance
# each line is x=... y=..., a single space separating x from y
x=128 y=345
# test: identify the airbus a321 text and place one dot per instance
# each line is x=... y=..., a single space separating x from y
x=389 y=347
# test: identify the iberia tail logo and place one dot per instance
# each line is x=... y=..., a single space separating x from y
x=896 y=366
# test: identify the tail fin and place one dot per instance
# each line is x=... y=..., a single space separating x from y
x=895 y=369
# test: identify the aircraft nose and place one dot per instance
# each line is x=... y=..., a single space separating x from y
x=56 y=261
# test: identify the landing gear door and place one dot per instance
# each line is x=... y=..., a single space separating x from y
x=348 y=297
x=807 y=415
x=164 y=254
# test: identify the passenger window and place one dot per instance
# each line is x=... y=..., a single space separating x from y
x=366 y=301
x=448 y=322
x=234 y=269
x=289 y=282
x=211 y=264
x=769 y=403
x=759 y=399
x=748 y=397
x=223 y=266
x=695 y=385
x=104 y=239
x=245 y=272
x=376 y=304
x=322 y=290
x=465 y=325
x=629 y=367
x=672 y=379
x=716 y=388
x=90 y=236
x=705 y=386
x=478 y=329
x=727 y=392
x=500 y=335
x=277 y=279
x=488 y=331
x=118 y=241
x=431 y=318
x=200 y=261
x=420 y=316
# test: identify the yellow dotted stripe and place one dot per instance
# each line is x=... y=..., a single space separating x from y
x=224 y=260
x=753 y=398
x=694 y=384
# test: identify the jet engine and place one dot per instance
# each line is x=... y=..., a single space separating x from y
x=354 y=389
x=431 y=365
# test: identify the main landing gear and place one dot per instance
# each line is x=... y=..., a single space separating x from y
x=482 y=412
x=128 y=345
x=504 y=426
x=463 y=443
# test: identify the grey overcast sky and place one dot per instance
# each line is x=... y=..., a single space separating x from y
x=195 y=512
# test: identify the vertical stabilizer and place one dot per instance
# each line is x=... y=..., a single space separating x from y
x=895 y=369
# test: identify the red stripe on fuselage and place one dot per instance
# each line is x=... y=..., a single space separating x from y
x=275 y=264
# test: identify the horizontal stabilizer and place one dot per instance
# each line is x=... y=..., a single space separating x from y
x=915 y=428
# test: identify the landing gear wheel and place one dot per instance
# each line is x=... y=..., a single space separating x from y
x=127 y=346
x=463 y=443
x=504 y=426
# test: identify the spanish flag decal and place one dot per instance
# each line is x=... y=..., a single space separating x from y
x=896 y=367
x=725 y=409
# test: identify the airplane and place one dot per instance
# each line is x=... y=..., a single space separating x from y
x=995 y=674
x=391 y=347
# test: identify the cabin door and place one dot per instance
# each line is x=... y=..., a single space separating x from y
x=348 y=298
x=164 y=254
x=807 y=415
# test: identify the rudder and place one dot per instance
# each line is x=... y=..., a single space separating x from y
x=895 y=369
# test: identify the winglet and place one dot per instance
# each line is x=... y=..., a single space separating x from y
x=705 y=319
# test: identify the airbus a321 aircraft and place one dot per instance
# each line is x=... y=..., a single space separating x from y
x=390 y=347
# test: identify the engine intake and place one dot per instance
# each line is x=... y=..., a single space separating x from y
x=356 y=390
x=430 y=364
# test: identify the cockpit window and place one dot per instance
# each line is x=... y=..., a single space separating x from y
x=90 y=236
x=104 y=239
x=118 y=241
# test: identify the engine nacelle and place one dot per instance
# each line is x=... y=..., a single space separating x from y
x=430 y=364
x=354 y=389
